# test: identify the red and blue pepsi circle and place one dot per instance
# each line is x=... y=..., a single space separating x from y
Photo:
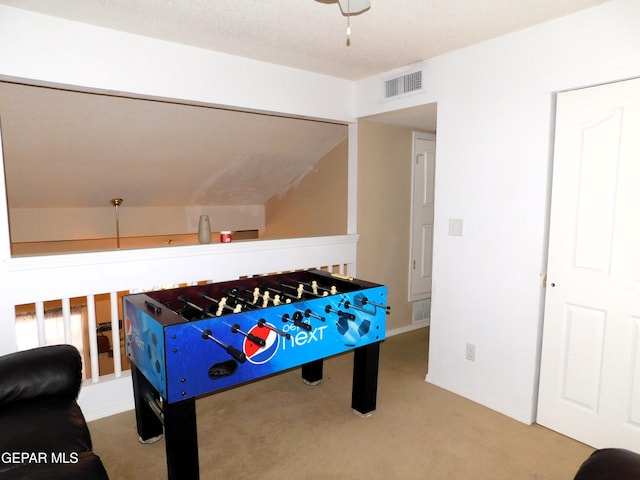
x=255 y=353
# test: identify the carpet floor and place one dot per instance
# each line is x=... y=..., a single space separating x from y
x=280 y=428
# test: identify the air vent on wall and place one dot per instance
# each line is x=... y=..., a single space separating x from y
x=405 y=84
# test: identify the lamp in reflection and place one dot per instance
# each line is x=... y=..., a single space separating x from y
x=116 y=202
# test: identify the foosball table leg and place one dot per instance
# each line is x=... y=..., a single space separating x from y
x=365 y=378
x=176 y=420
x=181 y=440
x=312 y=372
x=147 y=421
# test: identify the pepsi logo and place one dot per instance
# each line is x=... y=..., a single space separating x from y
x=127 y=326
x=255 y=353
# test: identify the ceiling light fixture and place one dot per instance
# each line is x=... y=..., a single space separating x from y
x=351 y=7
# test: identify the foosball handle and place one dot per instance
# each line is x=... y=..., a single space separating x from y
x=235 y=353
x=235 y=328
x=347 y=315
x=365 y=301
x=256 y=339
x=297 y=321
x=340 y=313
x=263 y=323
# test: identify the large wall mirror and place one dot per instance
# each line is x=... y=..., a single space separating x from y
x=68 y=154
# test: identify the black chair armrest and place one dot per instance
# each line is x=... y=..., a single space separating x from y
x=610 y=464
x=44 y=371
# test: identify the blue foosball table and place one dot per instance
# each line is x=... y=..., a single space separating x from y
x=191 y=341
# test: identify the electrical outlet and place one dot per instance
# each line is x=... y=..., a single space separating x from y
x=471 y=352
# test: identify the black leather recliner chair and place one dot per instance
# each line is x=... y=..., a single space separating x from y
x=610 y=464
x=44 y=435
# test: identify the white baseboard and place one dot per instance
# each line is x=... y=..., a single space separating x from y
x=109 y=396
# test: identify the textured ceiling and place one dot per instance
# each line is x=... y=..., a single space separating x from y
x=311 y=34
x=222 y=157
x=69 y=149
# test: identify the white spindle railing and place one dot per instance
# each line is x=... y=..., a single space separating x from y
x=40 y=322
x=34 y=280
x=93 y=338
x=115 y=334
x=66 y=316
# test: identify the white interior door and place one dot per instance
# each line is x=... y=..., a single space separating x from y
x=590 y=362
x=424 y=161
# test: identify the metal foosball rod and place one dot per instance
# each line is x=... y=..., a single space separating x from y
x=255 y=293
x=300 y=291
x=297 y=321
x=235 y=328
x=274 y=301
x=313 y=285
x=239 y=299
x=287 y=296
x=250 y=304
x=340 y=313
x=187 y=301
x=237 y=308
x=368 y=311
x=234 y=352
x=221 y=304
x=308 y=313
x=366 y=301
x=348 y=305
x=263 y=323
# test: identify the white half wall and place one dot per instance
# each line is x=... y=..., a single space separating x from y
x=46 y=50
x=495 y=134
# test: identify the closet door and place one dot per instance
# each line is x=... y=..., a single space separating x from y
x=590 y=363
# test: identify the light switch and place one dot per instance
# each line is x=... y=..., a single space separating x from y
x=455 y=227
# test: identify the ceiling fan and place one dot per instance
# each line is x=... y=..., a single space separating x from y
x=348 y=8
x=352 y=7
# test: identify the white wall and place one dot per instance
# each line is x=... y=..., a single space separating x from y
x=494 y=129
x=495 y=122
x=46 y=49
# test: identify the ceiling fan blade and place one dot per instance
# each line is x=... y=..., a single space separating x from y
x=350 y=7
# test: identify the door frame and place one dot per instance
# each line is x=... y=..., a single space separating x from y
x=414 y=137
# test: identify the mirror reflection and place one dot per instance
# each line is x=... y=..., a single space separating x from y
x=69 y=154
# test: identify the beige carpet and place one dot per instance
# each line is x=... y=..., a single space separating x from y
x=279 y=428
